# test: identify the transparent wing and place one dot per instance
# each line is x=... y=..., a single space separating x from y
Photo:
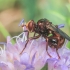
x=60 y=32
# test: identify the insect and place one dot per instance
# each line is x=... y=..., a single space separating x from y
x=44 y=28
x=55 y=41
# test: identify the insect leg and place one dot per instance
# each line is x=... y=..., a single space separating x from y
x=47 y=48
x=57 y=54
x=24 y=47
x=27 y=40
x=34 y=34
x=27 y=33
x=58 y=46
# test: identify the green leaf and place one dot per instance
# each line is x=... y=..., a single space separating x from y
x=45 y=67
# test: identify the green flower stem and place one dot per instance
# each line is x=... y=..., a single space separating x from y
x=4 y=32
x=45 y=67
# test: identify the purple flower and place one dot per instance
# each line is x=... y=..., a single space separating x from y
x=55 y=64
x=60 y=64
x=34 y=56
x=31 y=58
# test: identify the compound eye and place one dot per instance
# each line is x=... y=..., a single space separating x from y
x=30 y=25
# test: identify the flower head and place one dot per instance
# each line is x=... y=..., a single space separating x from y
x=30 y=59
x=34 y=57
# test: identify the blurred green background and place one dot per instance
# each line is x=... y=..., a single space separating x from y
x=13 y=11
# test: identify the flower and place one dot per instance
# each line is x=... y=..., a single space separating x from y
x=55 y=64
x=60 y=64
x=34 y=57
x=34 y=53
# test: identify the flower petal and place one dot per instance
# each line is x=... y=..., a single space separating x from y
x=18 y=65
x=33 y=59
x=24 y=59
x=4 y=66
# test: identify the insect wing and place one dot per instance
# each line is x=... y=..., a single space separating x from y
x=61 y=32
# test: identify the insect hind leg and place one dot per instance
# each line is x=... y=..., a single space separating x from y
x=57 y=54
x=47 y=48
